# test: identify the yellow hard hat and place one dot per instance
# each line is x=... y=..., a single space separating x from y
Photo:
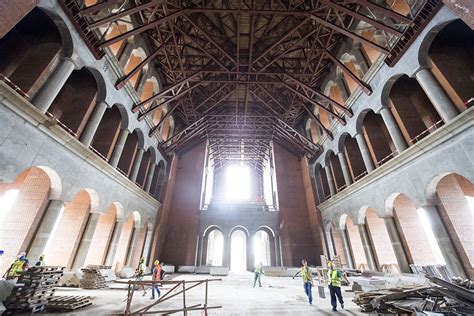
x=42 y=257
x=157 y=262
x=142 y=259
x=330 y=264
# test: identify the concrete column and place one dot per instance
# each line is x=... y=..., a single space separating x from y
x=347 y=249
x=109 y=260
x=436 y=94
x=136 y=164
x=226 y=256
x=453 y=262
x=147 y=247
x=277 y=251
x=397 y=245
x=345 y=168
x=149 y=178
x=133 y=246
x=117 y=153
x=86 y=240
x=250 y=255
x=332 y=189
x=369 y=252
x=54 y=84
x=93 y=124
x=330 y=245
x=393 y=129
x=50 y=217
x=364 y=150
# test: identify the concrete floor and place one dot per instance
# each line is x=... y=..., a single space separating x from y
x=278 y=296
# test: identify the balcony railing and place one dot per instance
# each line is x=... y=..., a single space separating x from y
x=385 y=159
x=16 y=88
x=426 y=132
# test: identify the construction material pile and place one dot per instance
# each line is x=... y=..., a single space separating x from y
x=33 y=289
x=67 y=303
x=94 y=277
x=439 y=297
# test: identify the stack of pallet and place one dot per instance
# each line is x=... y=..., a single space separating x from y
x=67 y=303
x=93 y=277
x=33 y=289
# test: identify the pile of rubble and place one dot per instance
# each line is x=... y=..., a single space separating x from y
x=94 y=276
x=439 y=297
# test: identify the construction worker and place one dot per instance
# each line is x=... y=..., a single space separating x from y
x=156 y=276
x=257 y=274
x=140 y=273
x=17 y=268
x=334 y=279
x=305 y=272
x=40 y=262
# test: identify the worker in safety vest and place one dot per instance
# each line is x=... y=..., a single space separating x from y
x=307 y=280
x=40 y=262
x=156 y=276
x=334 y=279
x=17 y=268
x=257 y=275
x=140 y=273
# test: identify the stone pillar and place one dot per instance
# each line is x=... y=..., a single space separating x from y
x=54 y=84
x=86 y=240
x=277 y=251
x=117 y=153
x=45 y=229
x=347 y=249
x=93 y=124
x=332 y=189
x=136 y=164
x=453 y=262
x=345 y=168
x=364 y=150
x=330 y=245
x=147 y=247
x=133 y=246
x=397 y=245
x=393 y=129
x=109 y=260
x=126 y=53
x=369 y=252
x=436 y=94
x=226 y=252
x=149 y=179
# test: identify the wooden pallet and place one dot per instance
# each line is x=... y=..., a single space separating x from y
x=68 y=302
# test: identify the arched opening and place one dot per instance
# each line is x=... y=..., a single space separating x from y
x=238 y=251
x=419 y=247
x=128 y=154
x=108 y=132
x=336 y=170
x=357 y=248
x=102 y=236
x=75 y=102
x=264 y=248
x=456 y=196
x=124 y=244
x=214 y=248
x=338 y=245
x=137 y=56
x=413 y=110
x=322 y=184
x=378 y=139
x=451 y=57
x=67 y=232
x=380 y=240
x=22 y=206
x=29 y=52
x=144 y=168
x=355 y=162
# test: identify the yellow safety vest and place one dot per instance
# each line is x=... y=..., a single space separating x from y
x=16 y=269
x=258 y=269
x=306 y=274
x=141 y=268
x=335 y=278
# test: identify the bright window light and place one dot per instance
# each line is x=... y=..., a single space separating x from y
x=55 y=228
x=6 y=203
x=238 y=252
x=261 y=248
x=470 y=202
x=425 y=222
x=215 y=246
x=237 y=182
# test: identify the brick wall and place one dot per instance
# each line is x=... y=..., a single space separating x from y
x=180 y=240
x=101 y=237
x=357 y=248
x=380 y=240
x=12 y=11
x=18 y=228
x=296 y=235
x=123 y=244
x=65 y=241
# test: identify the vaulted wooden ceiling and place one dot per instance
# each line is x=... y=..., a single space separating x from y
x=243 y=73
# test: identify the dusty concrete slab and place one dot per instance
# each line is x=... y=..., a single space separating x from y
x=278 y=296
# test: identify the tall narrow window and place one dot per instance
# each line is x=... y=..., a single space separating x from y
x=237 y=182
